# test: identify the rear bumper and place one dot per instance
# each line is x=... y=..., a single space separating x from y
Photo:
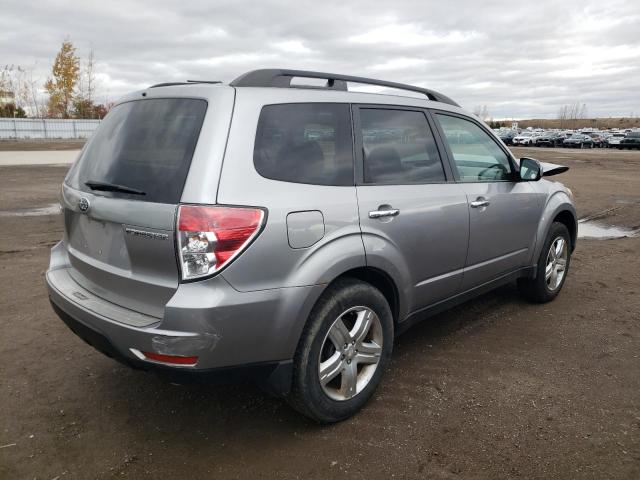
x=224 y=328
x=273 y=376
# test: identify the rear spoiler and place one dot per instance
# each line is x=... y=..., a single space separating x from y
x=550 y=169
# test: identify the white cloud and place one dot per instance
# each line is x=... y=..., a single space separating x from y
x=411 y=35
x=400 y=63
x=519 y=59
x=292 y=46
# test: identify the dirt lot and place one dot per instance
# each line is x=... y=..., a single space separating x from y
x=496 y=388
x=39 y=145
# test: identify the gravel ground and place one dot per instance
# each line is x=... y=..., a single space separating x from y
x=496 y=388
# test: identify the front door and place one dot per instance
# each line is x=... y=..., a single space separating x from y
x=414 y=222
x=503 y=212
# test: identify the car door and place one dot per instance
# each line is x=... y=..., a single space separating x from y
x=503 y=212
x=414 y=221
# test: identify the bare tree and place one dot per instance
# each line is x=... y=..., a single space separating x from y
x=570 y=115
x=562 y=116
x=34 y=101
x=482 y=112
x=14 y=83
x=90 y=76
x=84 y=98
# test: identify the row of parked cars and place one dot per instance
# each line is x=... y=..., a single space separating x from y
x=571 y=139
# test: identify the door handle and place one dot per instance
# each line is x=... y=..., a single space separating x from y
x=391 y=212
x=480 y=202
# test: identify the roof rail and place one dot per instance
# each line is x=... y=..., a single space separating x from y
x=204 y=81
x=282 y=78
x=188 y=82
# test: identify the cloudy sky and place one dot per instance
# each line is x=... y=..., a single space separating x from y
x=520 y=58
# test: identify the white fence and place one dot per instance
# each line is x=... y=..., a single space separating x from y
x=46 y=128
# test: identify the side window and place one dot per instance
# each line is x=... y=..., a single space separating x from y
x=477 y=156
x=305 y=143
x=398 y=147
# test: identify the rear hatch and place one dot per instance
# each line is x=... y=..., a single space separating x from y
x=120 y=201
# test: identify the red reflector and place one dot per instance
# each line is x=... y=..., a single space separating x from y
x=174 y=359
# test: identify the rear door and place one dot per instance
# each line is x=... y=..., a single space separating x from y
x=120 y=201
x=414 y=222
x=503 y=212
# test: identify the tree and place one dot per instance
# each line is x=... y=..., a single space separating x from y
x=83 y=103
x=482 y=112
x=32 y=98
x=65 y=71
x=9 y=110
x=17 y=83
x=570 y=115
x=100 y=110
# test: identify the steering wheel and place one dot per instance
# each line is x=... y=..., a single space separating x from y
x=498 y=167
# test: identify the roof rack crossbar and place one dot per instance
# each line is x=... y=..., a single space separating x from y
x=282 y=78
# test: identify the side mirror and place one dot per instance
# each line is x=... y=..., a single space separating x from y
x=530 y=169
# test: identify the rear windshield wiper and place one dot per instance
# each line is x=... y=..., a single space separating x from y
x=112 y=187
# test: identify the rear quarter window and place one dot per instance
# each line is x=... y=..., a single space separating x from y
x=305 y=143
x=146 y=145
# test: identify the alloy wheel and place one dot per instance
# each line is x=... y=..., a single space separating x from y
x=556 y=266
x=350 y=353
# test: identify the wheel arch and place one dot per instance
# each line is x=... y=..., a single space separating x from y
x=559 y=208
x=568 y=219
x=379 y=279
x=371 y=275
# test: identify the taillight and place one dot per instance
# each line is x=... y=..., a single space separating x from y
x=211 y=237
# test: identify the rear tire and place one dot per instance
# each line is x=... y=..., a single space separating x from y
x=332 y=381
x=551 y=270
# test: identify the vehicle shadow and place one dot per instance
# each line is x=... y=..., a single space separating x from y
x=146 y=402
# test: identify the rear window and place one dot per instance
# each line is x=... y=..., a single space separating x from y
x=305 y=143
x=145 y=145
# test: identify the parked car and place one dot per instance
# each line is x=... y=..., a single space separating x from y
x=598 y=139
x=288 y=234
x=578 y=140
x=631 y=140
x=548 y=139
x=524 y=138
x=614 y=139
x=507 y=136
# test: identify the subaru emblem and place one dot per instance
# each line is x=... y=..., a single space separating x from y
x=83 y=204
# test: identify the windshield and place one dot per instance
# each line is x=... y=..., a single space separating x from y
x=144 y=146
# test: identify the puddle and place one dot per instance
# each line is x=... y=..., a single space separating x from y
x=51 y=209
x=590 y=229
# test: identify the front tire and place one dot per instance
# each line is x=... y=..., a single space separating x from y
x=343 y=352
x=552 y=267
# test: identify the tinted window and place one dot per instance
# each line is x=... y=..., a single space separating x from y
x=305 y=143
x=146 y=145
x=398 y=147
x=476 y=155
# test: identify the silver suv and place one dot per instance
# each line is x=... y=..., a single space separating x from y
x=285 y=233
